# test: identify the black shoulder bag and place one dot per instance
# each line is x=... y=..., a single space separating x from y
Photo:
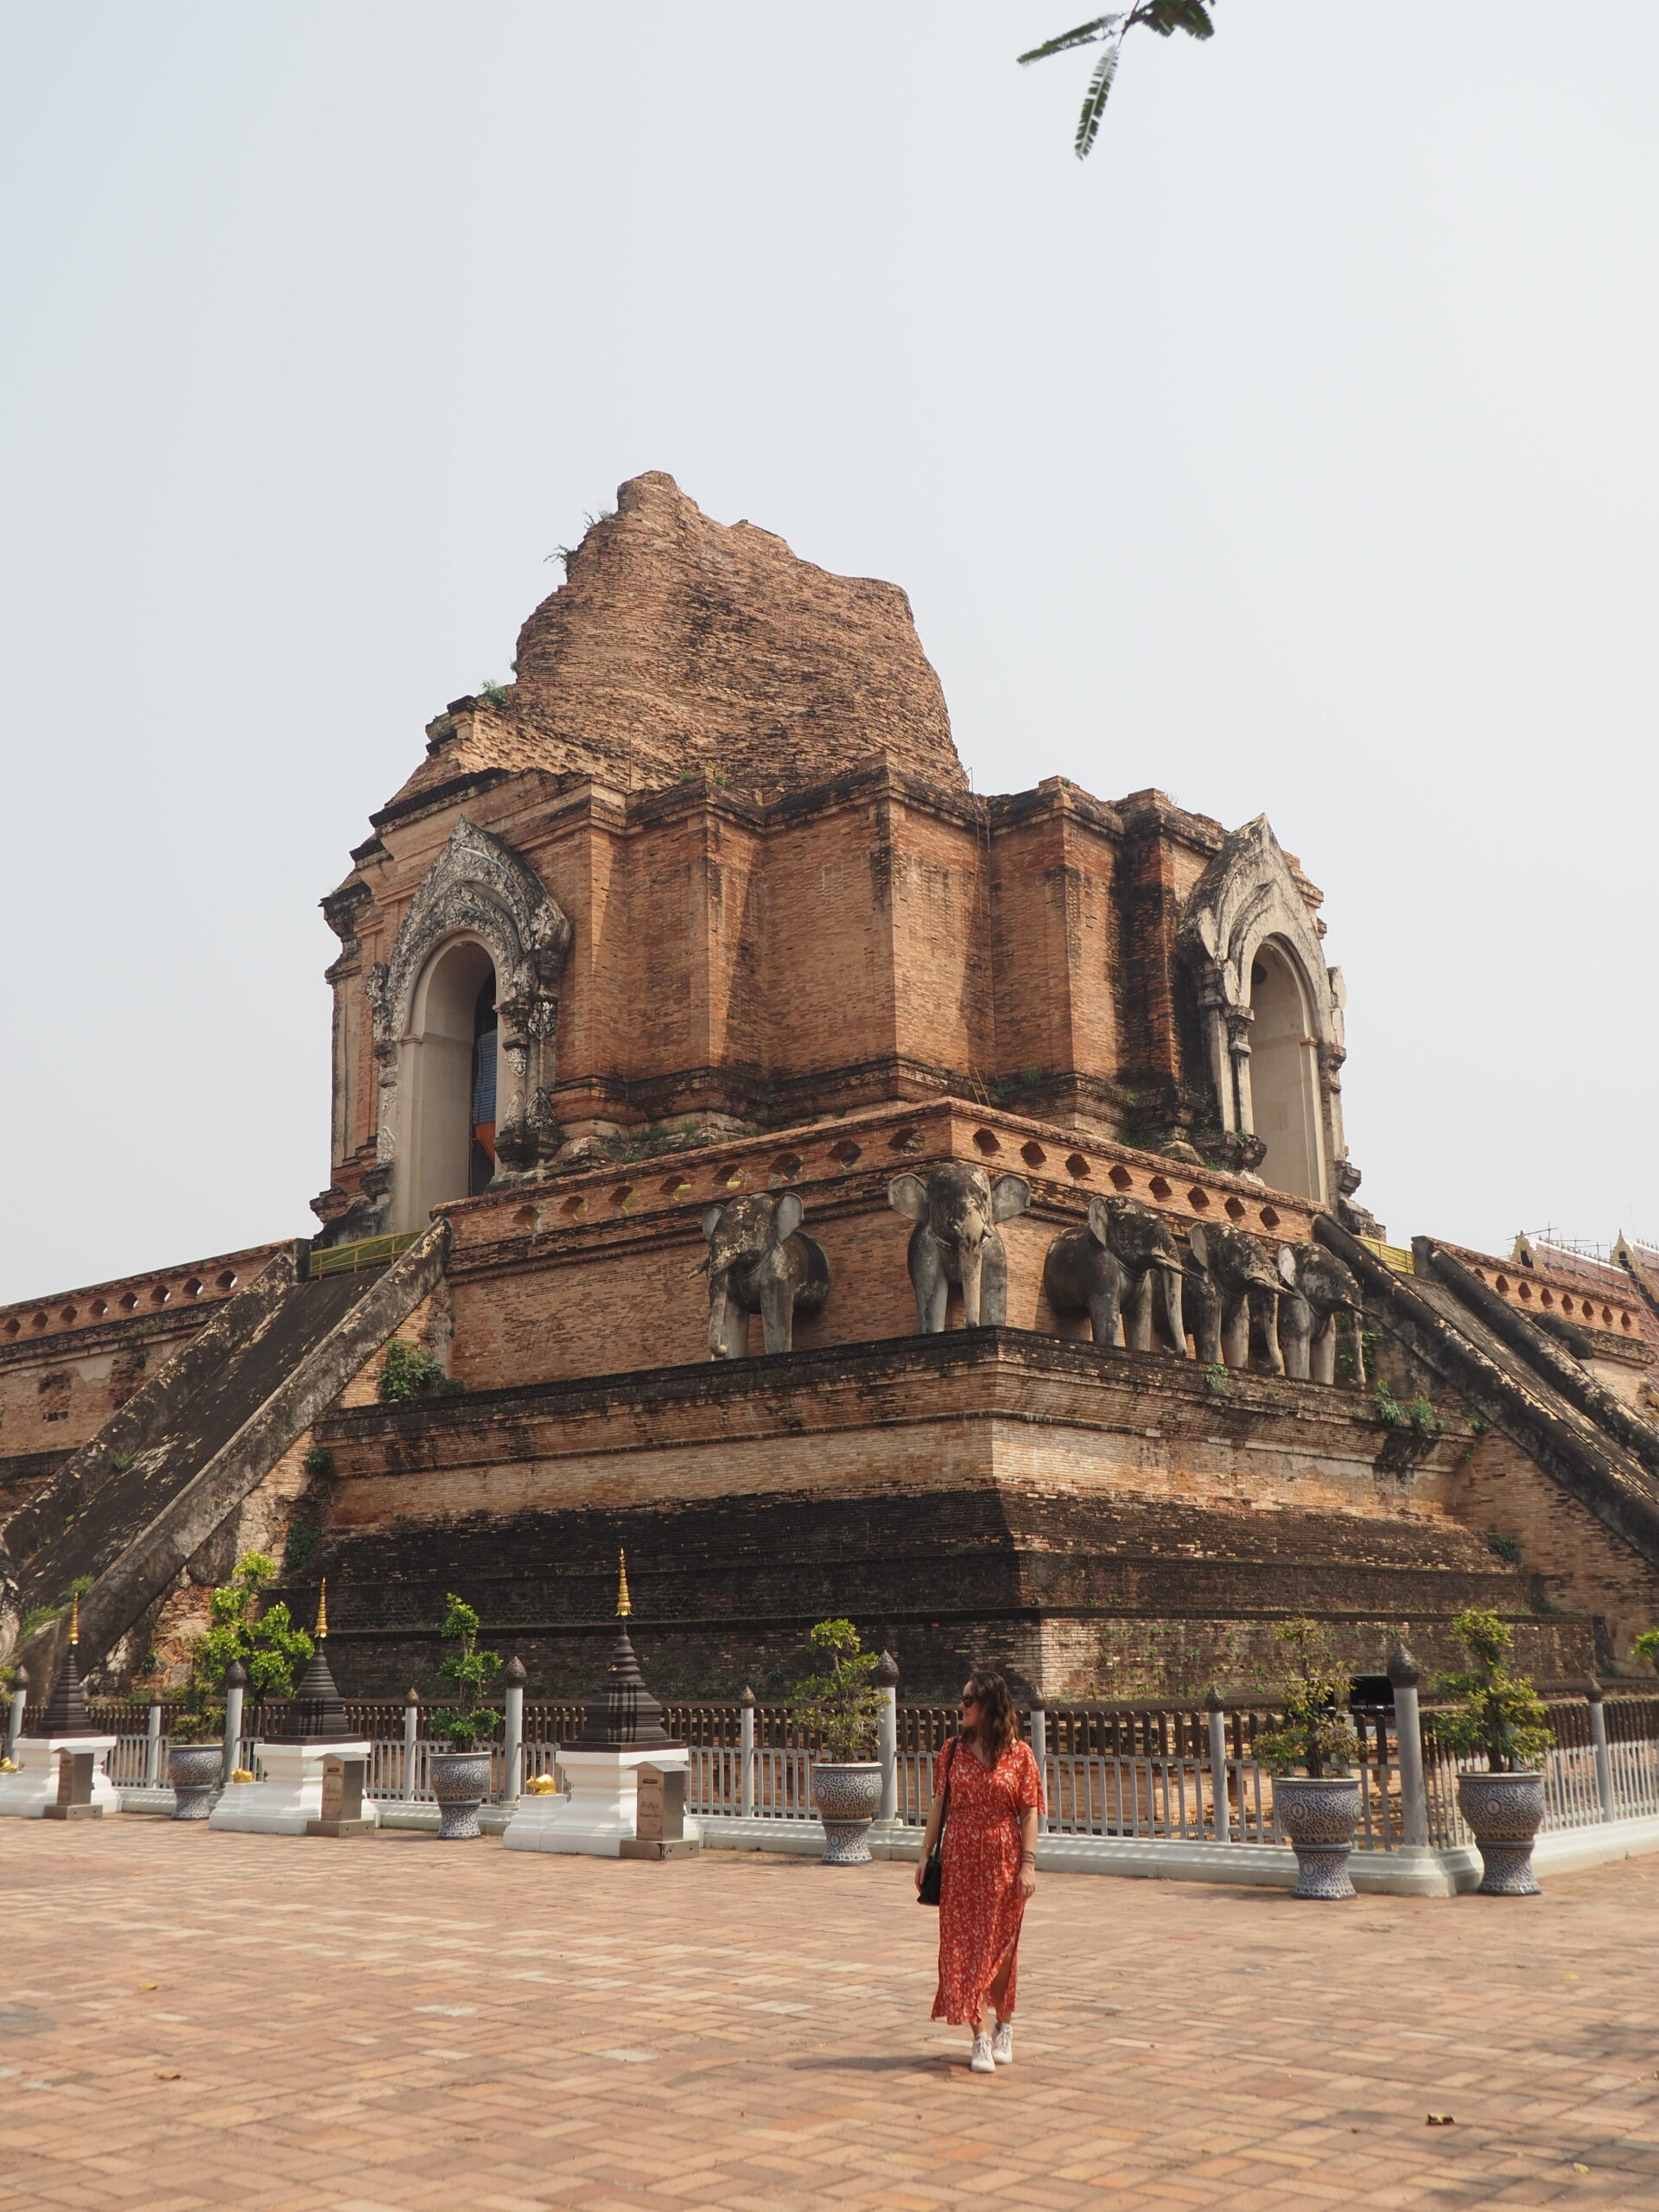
x=933 y=1873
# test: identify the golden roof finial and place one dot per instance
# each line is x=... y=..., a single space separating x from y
x=74 y=1616
x=624 y=1603
x=322 y=1611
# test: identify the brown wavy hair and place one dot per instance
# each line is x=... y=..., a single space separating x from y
x=998 y=1724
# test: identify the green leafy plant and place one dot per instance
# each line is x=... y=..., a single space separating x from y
x=495 y=693
x=1647 y=1647
x=120 y=1461
x=839 y=1706
x=319 y=1461
x=1215 y=1377
x=199 y=1717
x=1163 y=16
x=266 y=1641
x=410 y=1371
x=1501 y=1715
x=1419 y=1412
x=299 y=1546
x=1389 y=1411
x=1505 y=1547
x=1316 y=1732
x=472 y=1671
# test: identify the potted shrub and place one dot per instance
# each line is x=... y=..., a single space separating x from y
x=1317 y=1809
x=838 y=1709
x=268 y=1646
x=460 y=1775
x=1502 y=1717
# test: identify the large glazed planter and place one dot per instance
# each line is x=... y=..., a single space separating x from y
x=193 y=1770
x=846 y=1793
x=461 y=1783
x=1505 y=1812
x=1319 y=1817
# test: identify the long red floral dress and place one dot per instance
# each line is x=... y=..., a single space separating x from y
x=979 y=1903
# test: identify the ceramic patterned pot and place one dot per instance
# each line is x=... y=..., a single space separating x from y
x=461 y=1783
x=846 y=1793
x=1505 y=1811
x=193 y=1770
x=1319 y=1817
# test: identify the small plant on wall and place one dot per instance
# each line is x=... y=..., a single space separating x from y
x=472 y=1671
x=410 y=1371
x=1647 y=1647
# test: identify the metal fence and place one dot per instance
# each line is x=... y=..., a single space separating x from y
x=1184 y=1773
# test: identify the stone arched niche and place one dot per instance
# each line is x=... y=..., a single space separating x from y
x=480 y=912
x=1271 y=1014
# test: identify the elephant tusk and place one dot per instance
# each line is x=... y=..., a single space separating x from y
x=701 y=1268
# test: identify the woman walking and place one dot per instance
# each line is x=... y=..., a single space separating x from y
x=988 y=1865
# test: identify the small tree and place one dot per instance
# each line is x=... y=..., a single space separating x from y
x=1647 y=1647
x=472 y=1671
x=1502 y=1715
x=266 y=1642
x=1316 y=1732
x=839 y=1706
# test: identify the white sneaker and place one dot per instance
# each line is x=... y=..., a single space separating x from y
x=1002 y=2044
x=982 y=2061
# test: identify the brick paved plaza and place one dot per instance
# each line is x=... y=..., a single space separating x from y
x=345 y=2027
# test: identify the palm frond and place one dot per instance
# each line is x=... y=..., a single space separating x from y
x=1085 y=34
x=1168 y=17
x=1094 y=104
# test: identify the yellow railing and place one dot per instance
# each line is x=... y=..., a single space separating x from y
x=372 y=1252
x=1392 y=1255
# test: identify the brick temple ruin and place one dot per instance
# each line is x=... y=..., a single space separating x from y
x=690 y=1002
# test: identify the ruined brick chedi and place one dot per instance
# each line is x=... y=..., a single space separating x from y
x=855 y=1194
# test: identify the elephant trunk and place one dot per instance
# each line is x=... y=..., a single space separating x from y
x=972 y=1261
x=1175 y=1321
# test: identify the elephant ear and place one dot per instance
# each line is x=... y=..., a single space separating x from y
x=1010 y=1194
x=1197 y=1238
x=711 y=1221
x=907 y=1194
x=786 y=1215
x=1100 y=1221
x=1288 y=1265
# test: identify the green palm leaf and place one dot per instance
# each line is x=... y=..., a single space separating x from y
x=1168 y=17
x=1085 y=34
x=1094 y=104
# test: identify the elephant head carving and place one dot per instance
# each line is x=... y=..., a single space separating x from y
x=1319 y=1289
x=760 y=1260
x=1246 y=1289
x=1112 y=1267
x=956 y=1209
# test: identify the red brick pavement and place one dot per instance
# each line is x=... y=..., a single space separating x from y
x=397 y=2025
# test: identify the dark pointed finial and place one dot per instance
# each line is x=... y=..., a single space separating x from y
x=1212 y=1700
x=1403 y=1671
x=886 y=1671
x=1592 y=1690
x=624 y=1603
x=513 y=1674
x=748 y=1700
x=414 y=1697
x=154 y=1699
x=235 y=1676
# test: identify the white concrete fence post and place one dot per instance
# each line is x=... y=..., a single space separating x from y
x=746 y=1756
x=411 y=1740
x=1216 y=1711
x=15 y=1718
x=886 y=1735
x=153 y=1744
x=1405 y=1675
x=1039 y=1752
x=1594 y=1692
x=236 y=1683
x=514 y=1733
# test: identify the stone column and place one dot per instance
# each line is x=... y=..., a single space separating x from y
x=153 y=1744
x=1405 y=1675
x=1039 y=1752
x=236 y=1684
x=746 y=1756
x=887 y=1735
x=15 y=1718
x=513 y=1732
x=411 y=1740
x=1594 y=1692
x=1213 y=1707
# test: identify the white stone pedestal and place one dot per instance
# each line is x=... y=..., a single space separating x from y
x=26 y=1795
x=600 y=1812
x=290 y=1796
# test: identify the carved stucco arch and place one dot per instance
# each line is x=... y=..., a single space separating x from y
x=1247 y=899
x=477 y=887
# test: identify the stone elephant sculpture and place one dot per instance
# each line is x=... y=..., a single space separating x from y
x=759 y=1261
x=1319 y=1289
x=1246 y=1289
x=1116 y=1264
x=956 y=1209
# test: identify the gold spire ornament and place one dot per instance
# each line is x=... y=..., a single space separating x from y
x=323 y=1609
x=74 y=1617
x=624 y=1603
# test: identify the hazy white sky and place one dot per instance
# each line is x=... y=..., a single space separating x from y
x=1296 y=453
